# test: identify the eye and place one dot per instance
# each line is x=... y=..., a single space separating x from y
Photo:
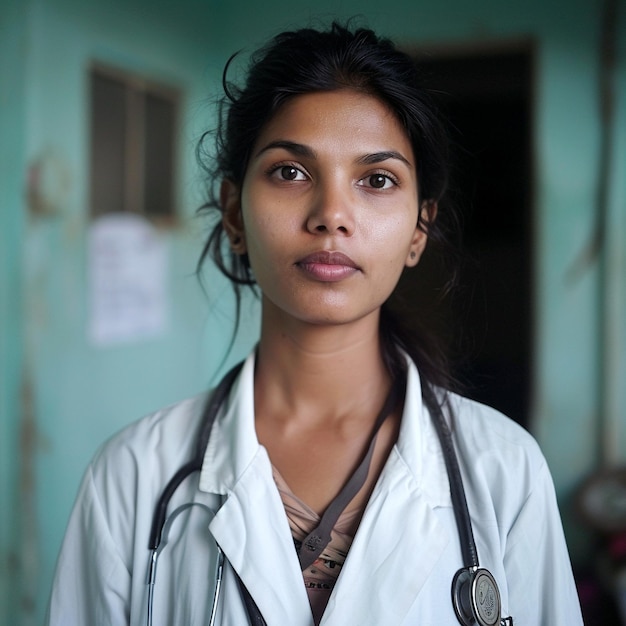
x=288 y=172
x=379 y=181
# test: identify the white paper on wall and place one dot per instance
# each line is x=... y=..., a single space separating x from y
x=128 y=264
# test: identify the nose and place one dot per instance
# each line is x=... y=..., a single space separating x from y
x=332 y=210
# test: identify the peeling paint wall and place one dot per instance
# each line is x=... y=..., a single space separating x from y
x=13 y=50
x=61 y=396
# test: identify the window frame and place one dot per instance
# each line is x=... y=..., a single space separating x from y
x=137 y=88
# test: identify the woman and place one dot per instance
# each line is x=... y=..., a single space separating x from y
x=324 y=480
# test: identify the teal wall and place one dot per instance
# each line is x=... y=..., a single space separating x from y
x=66 y=396
x=61 y=395
x=13 y=34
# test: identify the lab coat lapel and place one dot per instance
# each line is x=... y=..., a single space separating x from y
x=400 y=538
x=252 y=529
x=392 y=555
x=251 y=526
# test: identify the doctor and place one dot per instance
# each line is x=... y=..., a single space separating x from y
x=332 y=168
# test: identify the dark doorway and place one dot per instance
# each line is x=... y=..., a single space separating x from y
x=486 y=98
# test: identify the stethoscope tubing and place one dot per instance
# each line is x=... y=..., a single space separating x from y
x=218 y=585
x=457 y=493
x=159 y=521
x=154 y=556
x=195 y=465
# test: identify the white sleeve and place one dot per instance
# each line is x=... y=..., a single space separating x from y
x=539 y=574
x=91 y=584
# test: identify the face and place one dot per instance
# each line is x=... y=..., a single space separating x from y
x=328 y=209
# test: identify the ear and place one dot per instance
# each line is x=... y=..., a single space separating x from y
x=232 y=219
x=428 y=213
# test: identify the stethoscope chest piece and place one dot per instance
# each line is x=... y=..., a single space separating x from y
x=475 y=597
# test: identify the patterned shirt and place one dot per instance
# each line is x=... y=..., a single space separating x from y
x=321 y=576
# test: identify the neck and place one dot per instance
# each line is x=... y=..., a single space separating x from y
x=319 y=372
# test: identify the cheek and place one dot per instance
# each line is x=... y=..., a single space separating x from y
x=393 y=238
x=269 y=224
x=264 y=241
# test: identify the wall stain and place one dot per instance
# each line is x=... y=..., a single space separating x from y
x=28 y=553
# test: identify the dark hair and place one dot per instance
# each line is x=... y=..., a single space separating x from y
x=306 y=61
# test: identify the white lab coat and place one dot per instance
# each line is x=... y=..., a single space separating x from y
x=401 y=563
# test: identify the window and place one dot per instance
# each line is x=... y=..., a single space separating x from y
x=133 y=127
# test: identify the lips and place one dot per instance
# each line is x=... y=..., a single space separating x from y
x=325 y=257
x=328 y=266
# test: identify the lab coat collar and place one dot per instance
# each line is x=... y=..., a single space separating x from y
x=233 y=443
x=419 y=446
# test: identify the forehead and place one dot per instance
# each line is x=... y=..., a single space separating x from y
x=333 y=120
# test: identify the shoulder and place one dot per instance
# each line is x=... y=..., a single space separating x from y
x=485 y=428
x=157 y=436
x=497 y=455
x=139 y=458
x=129 y=471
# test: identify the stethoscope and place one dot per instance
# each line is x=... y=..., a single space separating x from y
x=475 y=594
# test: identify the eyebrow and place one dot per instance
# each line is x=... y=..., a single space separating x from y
x=291 y=146
x=379 y=157
x=305 y=151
